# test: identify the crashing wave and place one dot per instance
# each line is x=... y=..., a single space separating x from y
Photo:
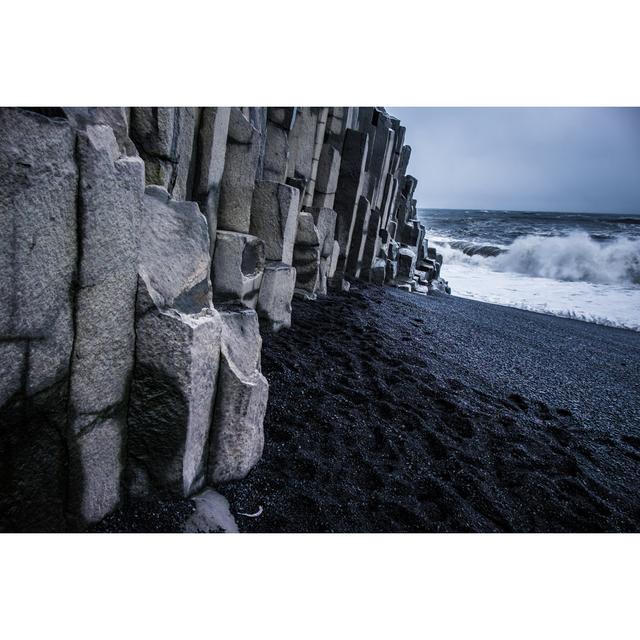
x=574 y=257
x=471 y=249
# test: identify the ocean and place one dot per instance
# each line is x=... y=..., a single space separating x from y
x=578 y=265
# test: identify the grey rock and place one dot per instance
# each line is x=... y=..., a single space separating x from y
x=212 y=149
x=276 y=155
x=110 y=196
x=276 y=291
x=358 y=238
x=405 y=156
x=321 y=124
x=306 y=254
x=174 y=252
x=301 y=144
x=38 y=186
x=379 y=271
x=38 y=257
x=410 y=234
x=408 y=187
x=392 y=271
x=172 y=397
x=284 y=117
x=406 y=263
x=238 y=265
x=372 y=244
x=115 y=117
x=244 y=145
x=237 y=436
x=333 y=261
x=307 y=233
x=392 y=227
x=324 y=220
x=274 y=218
x=350 y=182
x=164 y=137
x=338 y=121
x=212 y=514
x=327 y=177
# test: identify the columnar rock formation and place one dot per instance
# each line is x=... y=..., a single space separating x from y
x=143 y=249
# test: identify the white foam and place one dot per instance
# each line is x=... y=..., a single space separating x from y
x=574 y=257
x=609 y=304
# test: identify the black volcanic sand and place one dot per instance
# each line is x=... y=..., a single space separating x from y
x=395 y=412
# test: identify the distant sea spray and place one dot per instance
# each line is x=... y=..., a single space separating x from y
x=574 y=257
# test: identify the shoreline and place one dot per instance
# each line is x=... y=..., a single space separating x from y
x=601 y=322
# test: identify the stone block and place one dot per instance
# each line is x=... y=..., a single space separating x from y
x=276 y=291
x=306 y=254
x=333 y=263
x=212 y=149
x=372 y=244
x=244 y=144
x=301 y=144
x=324 y=220
x=114 y=117
x=284 y=117
x=358 y=238
x=238 y=265
x=406 y=263
x=174 y=253
x=276 y=155
x=237 y=436
x=327 y=177
x=164 y=137
x=274 y=218
x=350 y=182
x=172 y=398
x=379 y=271
x=110 y=207
x=392 y=271
x=410 y=234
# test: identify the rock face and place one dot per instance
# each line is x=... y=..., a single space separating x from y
x=240 y=168
x=38 y=256
x=143 y=250
x=177 y=351
x=212 y=149
x=274 y=214
x=110 y=201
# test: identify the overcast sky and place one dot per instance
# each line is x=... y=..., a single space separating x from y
x=548 y=159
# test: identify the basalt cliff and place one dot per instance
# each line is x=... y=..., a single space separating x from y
x=143 y=252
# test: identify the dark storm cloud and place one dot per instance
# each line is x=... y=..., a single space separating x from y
x=562 y=159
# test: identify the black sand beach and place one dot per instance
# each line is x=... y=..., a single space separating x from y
x=526 y=422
